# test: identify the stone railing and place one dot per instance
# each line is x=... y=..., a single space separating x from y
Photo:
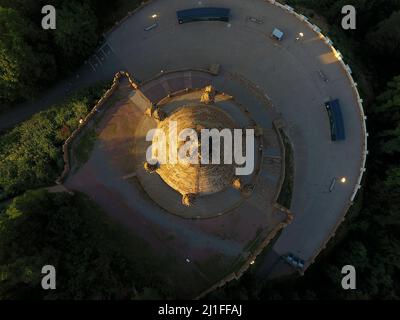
x=66 y=148
x=363 y=118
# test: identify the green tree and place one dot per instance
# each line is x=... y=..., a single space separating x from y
x=92 y=256
x=22 y=69
x=385 y=40
x=387 y=111
x=31 y=153
x=76 y=34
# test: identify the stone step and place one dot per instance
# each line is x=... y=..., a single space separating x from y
x=170 y=83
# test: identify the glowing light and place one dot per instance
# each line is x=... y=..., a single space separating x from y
x=301 y=34
x=252 y=262
x=154 y=16
x=343 y=180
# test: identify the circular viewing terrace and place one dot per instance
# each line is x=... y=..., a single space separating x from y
x=281 y=87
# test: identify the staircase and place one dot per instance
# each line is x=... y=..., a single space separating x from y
x=156 y=89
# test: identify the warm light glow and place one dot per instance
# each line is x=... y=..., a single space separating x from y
x=301 y=34
x=252 y=262
x=328 y=58
x=343 y=180
x=154 y=16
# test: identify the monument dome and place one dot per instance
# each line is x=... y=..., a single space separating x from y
x=196 y=178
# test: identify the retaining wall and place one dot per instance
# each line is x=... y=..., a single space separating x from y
x=98 y=106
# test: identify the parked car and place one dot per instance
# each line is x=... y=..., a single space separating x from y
x=294 y=261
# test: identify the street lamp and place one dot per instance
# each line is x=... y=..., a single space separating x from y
x=301 y=35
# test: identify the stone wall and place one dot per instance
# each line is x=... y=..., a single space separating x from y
x=66 y=148
x=249 y=261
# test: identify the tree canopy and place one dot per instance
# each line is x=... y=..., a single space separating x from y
x=30 y=57
x=23 y=65
x=93 y=257
x=76 y=34
x=385 y=39
x=31 y=153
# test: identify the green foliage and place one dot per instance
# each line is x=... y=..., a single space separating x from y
x=31 y=58
x=85 y=146
x=387 y=113
x=385 y=40
x=94 y=258
x=23 y=64
x=31 y=153
x=76 y=34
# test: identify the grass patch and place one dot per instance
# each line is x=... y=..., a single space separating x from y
x=85 y=146
x=285 y=196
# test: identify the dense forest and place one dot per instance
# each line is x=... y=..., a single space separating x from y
x=90 y=253
x=31 y=58
x=30 y=157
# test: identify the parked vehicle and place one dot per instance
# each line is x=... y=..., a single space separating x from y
x=335 y=119
x=203 y=14
x=294 y=261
